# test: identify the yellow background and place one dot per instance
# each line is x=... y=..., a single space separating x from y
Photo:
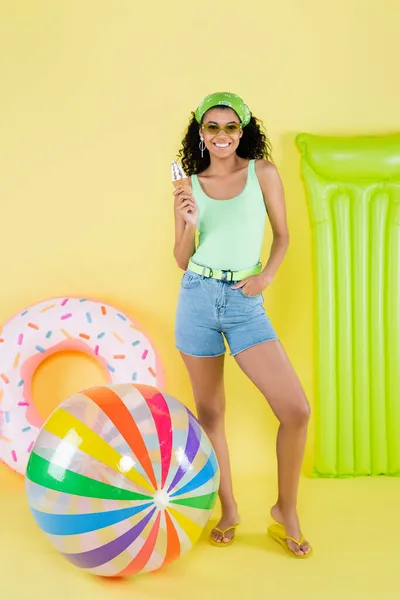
x=95 y=97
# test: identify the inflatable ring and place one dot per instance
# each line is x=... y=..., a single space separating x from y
x=79 y=324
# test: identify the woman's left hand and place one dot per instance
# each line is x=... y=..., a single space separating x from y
x=254 y=285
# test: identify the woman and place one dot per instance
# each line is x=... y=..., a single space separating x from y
x=234 y=187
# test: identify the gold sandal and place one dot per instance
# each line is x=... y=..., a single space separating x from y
x=278 y=533
x=223 y=532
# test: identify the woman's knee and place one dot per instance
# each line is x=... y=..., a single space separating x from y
x=297 y=413
x=211 y=416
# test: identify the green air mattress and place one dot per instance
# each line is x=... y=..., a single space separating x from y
x=353 y=194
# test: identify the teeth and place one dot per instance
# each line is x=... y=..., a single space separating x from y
x=222 y=145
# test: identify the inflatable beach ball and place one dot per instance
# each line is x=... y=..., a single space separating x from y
x=122 y=479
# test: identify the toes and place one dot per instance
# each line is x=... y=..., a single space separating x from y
x=295 y=548
x=305 y=546
x=219 y=537
x=216 y=536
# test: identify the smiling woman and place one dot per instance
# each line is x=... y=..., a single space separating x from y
x=254 y=143
x=234 y=187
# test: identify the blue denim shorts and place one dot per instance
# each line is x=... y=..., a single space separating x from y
x=209 y=310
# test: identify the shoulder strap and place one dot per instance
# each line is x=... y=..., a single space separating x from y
x=196 y=188
x=252 y=169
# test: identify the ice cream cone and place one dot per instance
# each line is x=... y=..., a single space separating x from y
x=179 y=177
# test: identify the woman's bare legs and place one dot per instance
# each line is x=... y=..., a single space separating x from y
x=270 y=370
x=207 y=378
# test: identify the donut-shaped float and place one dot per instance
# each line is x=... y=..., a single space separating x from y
x=79 y=324
x=122 y=479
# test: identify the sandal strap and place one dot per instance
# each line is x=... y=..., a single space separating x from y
x=295 y=541
x=223 y=531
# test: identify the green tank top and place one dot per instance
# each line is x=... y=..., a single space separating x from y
x=230 y=231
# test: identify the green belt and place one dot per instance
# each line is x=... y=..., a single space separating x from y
x=224 y=275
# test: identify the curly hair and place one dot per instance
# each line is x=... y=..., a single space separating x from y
x=253 y=144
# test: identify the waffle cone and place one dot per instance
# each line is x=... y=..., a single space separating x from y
x=183 y=183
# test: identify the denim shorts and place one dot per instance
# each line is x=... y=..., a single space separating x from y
x=209 y=310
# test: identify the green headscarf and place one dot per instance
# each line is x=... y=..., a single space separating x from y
x=224 y=99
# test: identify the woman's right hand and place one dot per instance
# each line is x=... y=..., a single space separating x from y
x=186 y=206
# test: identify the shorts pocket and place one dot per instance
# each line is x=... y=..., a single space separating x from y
x=190 y=280
x=258 y=297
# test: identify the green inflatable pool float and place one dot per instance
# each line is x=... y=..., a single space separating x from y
x=353 y=194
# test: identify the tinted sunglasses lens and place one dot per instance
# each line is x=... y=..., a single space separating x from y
x=211 y=128
x=214 y=129
x=232 y=128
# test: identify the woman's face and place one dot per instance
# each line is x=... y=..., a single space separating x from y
x=221 y=143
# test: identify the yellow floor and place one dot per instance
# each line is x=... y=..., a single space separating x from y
x=353 y=525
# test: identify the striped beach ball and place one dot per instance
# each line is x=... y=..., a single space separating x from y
x=122 y=479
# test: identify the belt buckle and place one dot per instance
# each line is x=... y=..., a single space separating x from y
x=225 y=274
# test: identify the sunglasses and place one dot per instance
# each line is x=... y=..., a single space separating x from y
x=214 y=129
